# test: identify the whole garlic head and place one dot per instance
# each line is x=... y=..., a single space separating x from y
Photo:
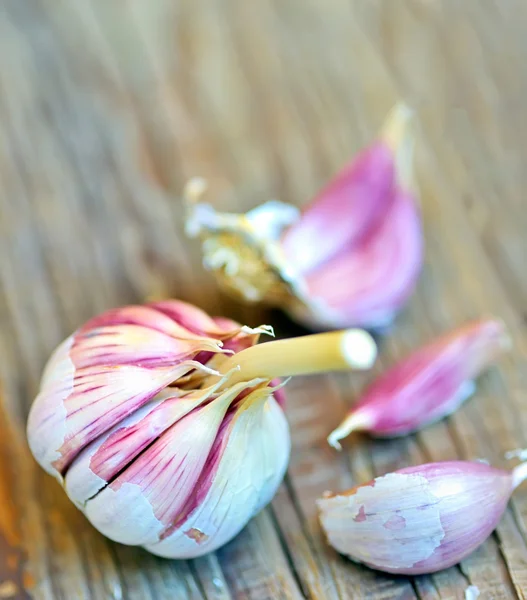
x=149 y=439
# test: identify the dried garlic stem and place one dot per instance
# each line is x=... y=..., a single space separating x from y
x=319 y=353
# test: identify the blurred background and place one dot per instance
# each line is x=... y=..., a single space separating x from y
x=107 y=108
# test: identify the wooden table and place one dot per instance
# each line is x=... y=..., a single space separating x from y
x=106 y=108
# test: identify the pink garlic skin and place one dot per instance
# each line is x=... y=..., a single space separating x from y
x=358 y=248
x=145 y=459
x=419 y=519
x=362 y=191
x=429 y=384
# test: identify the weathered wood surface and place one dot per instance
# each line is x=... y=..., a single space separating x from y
x=107 y=107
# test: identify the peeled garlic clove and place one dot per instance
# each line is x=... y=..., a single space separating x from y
x=419 y=519
x=428 y=385
x=351 y=258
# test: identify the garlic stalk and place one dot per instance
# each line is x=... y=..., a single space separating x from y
x=419 y=519
x=351 y=258
x=428 y=385
x=165 y=425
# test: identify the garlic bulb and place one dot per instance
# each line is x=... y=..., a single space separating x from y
x=428 y=385
x=419 y=519
x=165 y=425
x=351 y=258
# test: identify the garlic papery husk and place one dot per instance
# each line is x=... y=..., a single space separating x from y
x=419 y=519
x=351 y=258
x=165 y=425
x=428 y=385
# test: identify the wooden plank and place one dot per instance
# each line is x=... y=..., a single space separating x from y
x=107 y=109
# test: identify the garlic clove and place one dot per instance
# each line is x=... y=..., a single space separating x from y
x=142 y=502
x=68 y=415
x=356 y=200
x=419 y=519
x=245 y=468
x=164 y=317
x=367 y=227
x=193 y=319
x=125 y=356
x=367 y=286
x=428 y=385
x=102 y=460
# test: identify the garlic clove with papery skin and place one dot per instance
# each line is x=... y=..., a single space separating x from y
x=165 y=426
x=246 y=466
x=104 y=459
x=428 y=385
x=419 y=519
x=146 y=500
x=351 y=258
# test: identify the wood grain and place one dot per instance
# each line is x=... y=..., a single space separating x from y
x=106 y=108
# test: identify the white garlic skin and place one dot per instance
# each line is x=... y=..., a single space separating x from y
x=417 y=520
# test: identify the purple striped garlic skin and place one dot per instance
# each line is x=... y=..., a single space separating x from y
x=369 y=280
x=350 y=259
x=245 y=467
x=429 y=384
x=149 y=439
x=131 y=354
x=419 y=519
x=360 y=195
x=169 y=486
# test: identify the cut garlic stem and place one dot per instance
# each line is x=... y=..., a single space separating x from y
x=318 y=353
x=354 y=422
